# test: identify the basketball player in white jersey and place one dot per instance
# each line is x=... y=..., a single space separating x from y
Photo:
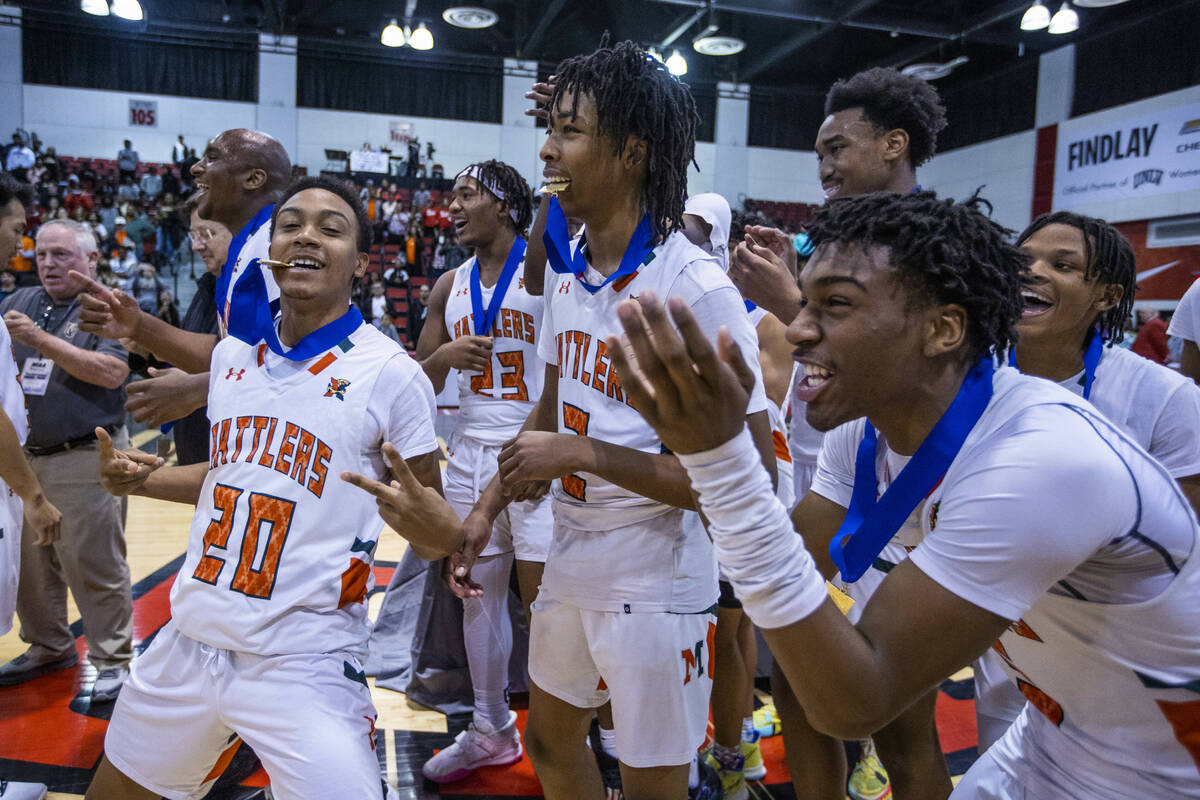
x=1077 y=297
x=485 y=325
x=240 y=179
x=269 y=619
x=20 y=493
x=623 y=611
x=881 y=126
x=1046 y=532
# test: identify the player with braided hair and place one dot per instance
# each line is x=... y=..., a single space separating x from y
x=485 y=326
x=1039 y=528
x=1078 y=294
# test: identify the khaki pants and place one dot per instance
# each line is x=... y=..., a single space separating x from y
x=89 y=558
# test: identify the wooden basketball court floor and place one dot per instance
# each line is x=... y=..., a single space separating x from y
x=50 y=732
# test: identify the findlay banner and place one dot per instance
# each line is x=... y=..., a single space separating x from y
x=1154 y=154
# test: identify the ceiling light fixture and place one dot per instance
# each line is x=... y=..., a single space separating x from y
x=1065 y=20
x=421 y=38
x=97 y=7
x=1036 y=17
x=718 y=45
x=1099 y=3
x=654 y=53
x=677 y=64
x=470 y=17
x=127 y=9
x=392 y=36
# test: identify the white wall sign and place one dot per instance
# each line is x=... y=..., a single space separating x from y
x=143 y=113
x=1154 y=154
x=368 y=161
x=400 y=132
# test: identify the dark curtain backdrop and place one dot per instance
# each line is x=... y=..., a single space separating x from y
x=357 y=82
x=785 y=118
x=998 y=104
x=221 y=70
x=705 y=95
x=1153 y=56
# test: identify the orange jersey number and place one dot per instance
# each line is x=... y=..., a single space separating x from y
x=575 y=419
x=275 y=513
x=512 y=381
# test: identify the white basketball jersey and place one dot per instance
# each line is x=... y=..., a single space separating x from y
x=494 y=404
x=591 y=401
x=279 y=557
x=12 y=400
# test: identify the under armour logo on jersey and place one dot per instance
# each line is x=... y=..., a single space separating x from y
x=235 y=374
x=520 y=283
x=337 y=388
x=463 y=291
x=564 y=287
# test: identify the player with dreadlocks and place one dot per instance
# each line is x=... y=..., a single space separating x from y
x=485 y=325
x=627 y=587
x=1078 y=295
x=1039 y=526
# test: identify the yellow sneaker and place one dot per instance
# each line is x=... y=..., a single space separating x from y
x=766 y=721
x=869 y=781
x=733 y=779
x=755 y=769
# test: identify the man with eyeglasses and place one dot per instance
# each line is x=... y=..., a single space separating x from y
x=73 y=383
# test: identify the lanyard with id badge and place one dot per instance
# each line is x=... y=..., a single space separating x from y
x=35 y=372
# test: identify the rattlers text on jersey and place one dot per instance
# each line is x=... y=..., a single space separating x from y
x=280 y=549
x=495 y=403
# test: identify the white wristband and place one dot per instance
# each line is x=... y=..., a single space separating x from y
x=763 y=557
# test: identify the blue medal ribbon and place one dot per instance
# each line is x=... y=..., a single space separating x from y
x=1092 y=354
x=557 y=239
x=323 y=338
x=869 y=524
x=484 y=319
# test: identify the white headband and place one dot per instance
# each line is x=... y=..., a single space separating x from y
x=476 y=171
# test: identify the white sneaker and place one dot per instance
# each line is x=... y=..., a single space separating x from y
x=475 y=748
x=108 y=684
x=10 y=790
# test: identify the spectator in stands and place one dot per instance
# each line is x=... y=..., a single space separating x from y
x=421 y=196
x=179 y=152
x=85 y=390
x=1151 y=341
x=171 y=227
x=168 y=312
x=185 y=169
x=429 y=220
x=140 y=228
x=151 y=184
x=127 y=162
x=19 y=159
x=145 y=287
x=170 y=183
x=453 y=254
x=124 y=262
x=445 y=222
x=107 y=187
x=375 y=304
x=397 y=274
x=51 y=167
x=108 y=213
x=387 y=327
x=128 y=191
x=93 y=221
x=8 y=282
x=417 y=313
x=391 y=204
x=21 y=264
x=76 y=197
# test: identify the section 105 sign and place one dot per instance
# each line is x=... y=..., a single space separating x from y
x=143 y=113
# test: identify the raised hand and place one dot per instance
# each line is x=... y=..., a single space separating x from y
x=169 y=394
x=763 y=278
x=415 y=511
x=777 y=242
x=540 y=95
x=123 y=472
x=105 y=312
x=692 y=396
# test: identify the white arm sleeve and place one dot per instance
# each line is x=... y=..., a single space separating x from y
x=403 y=405
x=1186 y=321
x=1175 y=441
x=762 y=556
x=834 y=478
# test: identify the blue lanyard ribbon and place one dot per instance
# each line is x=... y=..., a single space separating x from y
x=484 y=319
x=1092 y=354
x=327 y=336
x=869 y=524
x=557 y=239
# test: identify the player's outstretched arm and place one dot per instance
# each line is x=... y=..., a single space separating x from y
x=14 y=469
x=850 y=681
x=437 y=353
x=125 y=472
x=412 y=505
x=112 y=314
x=763 y=278
x=168 y=395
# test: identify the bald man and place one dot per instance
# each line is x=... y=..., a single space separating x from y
x=239 y=179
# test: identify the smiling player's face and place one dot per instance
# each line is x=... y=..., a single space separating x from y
x=317 y=233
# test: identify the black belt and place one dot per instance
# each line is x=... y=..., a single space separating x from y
x=72 y=444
